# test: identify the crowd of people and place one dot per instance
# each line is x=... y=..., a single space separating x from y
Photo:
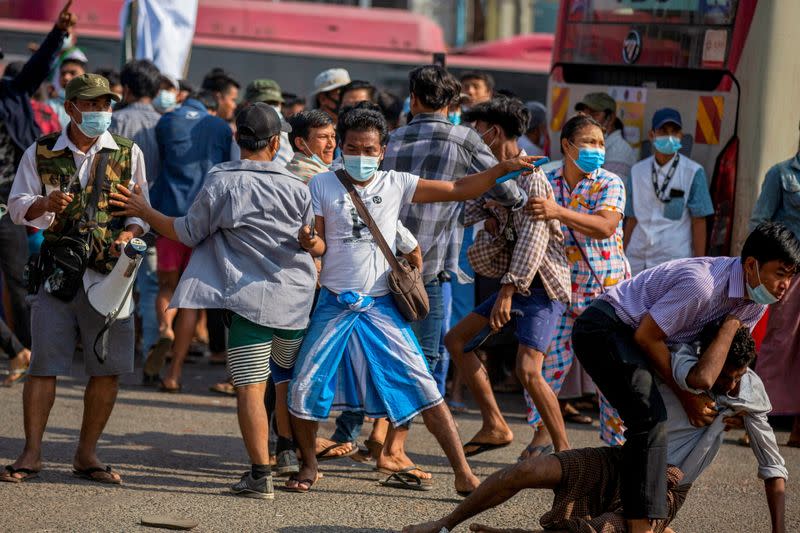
x=278 y=229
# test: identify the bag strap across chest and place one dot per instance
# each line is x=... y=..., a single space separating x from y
x=368 y=220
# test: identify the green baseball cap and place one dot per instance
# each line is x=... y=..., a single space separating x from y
x=597 y=102
x=263 y=91
x=88 y=87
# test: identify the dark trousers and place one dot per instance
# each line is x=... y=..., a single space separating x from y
x=13 y=256
x=605 y=347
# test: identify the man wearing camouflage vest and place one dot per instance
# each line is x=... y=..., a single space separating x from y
x=55 y=190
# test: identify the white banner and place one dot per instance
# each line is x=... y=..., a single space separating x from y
x=164 y=31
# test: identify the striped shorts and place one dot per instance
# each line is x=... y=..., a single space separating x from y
x=255 y=351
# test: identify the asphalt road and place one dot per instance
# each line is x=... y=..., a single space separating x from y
x=179 y=453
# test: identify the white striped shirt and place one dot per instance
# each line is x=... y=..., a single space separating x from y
x=684 y=295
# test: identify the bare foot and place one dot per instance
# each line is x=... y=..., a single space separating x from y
x=17 y=367
x=337 y=449
x=427 y=527
x=395 y=463
x=502 y=435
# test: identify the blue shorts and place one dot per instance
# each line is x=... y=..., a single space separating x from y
x=536 y=317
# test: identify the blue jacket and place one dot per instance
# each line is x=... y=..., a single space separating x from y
x=190 y=142
x=15 y=95
x=779 y=200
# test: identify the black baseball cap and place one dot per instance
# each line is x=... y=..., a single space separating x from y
x=260 y=122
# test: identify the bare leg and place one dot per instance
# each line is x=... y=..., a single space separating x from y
x=167 y=281
x=98 y=402
x=794 y=436
x=494 y=430
x=393 y=455
x=305 y=434
x=529 y=371
x=37 y=400
x=539 y=473
x=253 y=421
x=639 y=525
x=282 y=409
x=184 y=332
x=440 y=423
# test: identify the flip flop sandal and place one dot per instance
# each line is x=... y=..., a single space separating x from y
x=793 y=443
x=8 y=474
x=543 y=450
x=169 y=522
x=482 y=447
x=298 y=488
x=87 y=474
x=404 y=479
x=578 y=418
x=15 y=376
x=223 y=388
x=323 y=455
x=169 y=390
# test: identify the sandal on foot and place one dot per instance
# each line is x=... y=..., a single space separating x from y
x=793 y=443
x=577 y=418
x=15 y=376
x=171 y=390
x=8 y=474
x=300 y=482
x=324 y=455
x=530 y=449
x=482 y=447
x=404 y=479
x=89 y=474
x=223 y=388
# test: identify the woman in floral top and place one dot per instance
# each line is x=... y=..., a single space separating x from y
x=589 y=202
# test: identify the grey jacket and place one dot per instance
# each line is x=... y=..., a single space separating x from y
x=243 y=227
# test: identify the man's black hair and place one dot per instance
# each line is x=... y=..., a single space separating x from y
x=508 y=113
x=72 y=61
x=184 y=85
x=743 y=348
x=575 y=125
x=772 y=241
x=357 y=85
x=252 y=145
x=221 y=83
x=141 y=77
x=508 y=93
x=110 y=74
x=391 y=106
x=433 y=86
x=206 y=98
x=302 y=123
x=358 y=119
x=487 y=78
x=290 y=99
x=364 y=104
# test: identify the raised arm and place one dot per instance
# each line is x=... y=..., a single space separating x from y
x=468 y=187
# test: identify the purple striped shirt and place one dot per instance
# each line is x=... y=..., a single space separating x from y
x=684 y=295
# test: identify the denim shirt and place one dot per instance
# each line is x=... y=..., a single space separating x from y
x=243 y=227
x=780 y=196
x=190 y=142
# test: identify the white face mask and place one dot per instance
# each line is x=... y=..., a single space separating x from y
x=314 y=156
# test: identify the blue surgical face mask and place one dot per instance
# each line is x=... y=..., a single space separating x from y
x=361 y=167
x=165 y=101
x=590 y=159
x=94 y=123
x=314 y=157
x=760 y=294
x=454 y=118
x=667 y=144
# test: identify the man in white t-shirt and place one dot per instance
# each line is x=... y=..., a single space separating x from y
x=359 y=352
